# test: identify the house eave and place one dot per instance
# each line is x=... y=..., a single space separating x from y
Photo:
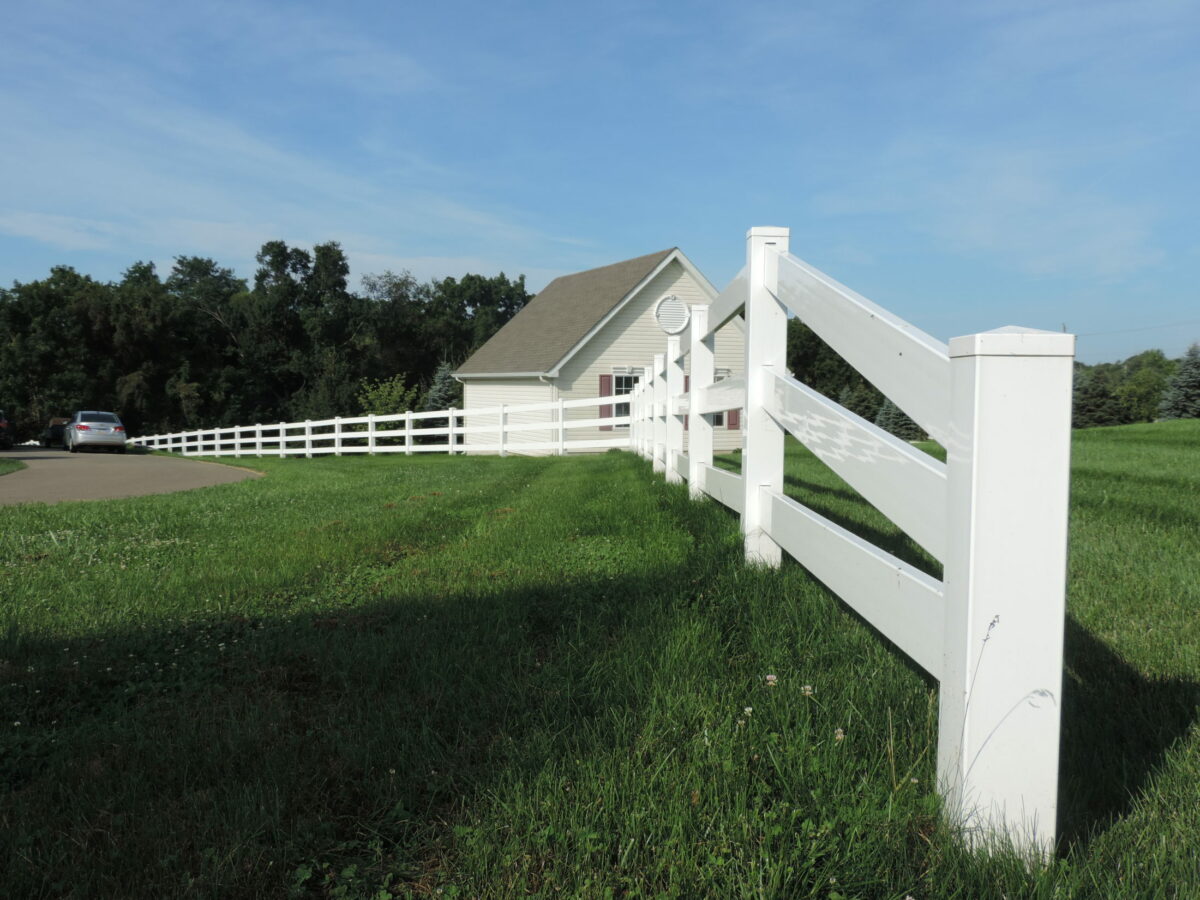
x=705 y=285
x=476 y=376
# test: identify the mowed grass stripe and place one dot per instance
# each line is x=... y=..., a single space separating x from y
x=10 y=465
x=510 y=677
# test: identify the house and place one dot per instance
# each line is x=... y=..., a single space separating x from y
x=591 y=334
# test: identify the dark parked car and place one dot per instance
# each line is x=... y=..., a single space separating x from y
x=89 y=428
x=53 y=435
x=6 y=432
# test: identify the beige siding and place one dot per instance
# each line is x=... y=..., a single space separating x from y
x=492 y=393
x=631 y=338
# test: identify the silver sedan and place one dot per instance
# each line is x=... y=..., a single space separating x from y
x=89 y=428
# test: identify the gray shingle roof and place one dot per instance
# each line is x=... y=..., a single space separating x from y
x=553 y=322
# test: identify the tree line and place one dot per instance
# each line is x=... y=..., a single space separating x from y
x=1145 y=387
x=202 y=348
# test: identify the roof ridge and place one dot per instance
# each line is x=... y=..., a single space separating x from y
x=553 y=323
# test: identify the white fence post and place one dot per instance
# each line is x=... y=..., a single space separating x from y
x=635 y=418
x=659 y=401
x=408 y=433
x=308 y=438
x=766 y=352
x=674 y=423
x=636 y=429
x=258 y=439
x=337 y=435
x=450 y=431
x=1008 y=465
x=637 y=425
x=503 y=426
x=562 y=427
x=648 y=418
x=282 y=441
x=700 y=428
x=371 y=433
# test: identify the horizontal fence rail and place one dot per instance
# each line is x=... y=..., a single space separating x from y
x=994 y=514
x=441 y=431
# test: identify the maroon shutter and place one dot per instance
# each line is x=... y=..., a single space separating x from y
x=687 y=386
x=606 y=391
x=733 y=419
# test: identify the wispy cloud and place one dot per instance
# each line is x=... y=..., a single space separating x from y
x=109 y=158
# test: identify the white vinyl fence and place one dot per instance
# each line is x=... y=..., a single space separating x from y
x=442 y=431
x=994 y=515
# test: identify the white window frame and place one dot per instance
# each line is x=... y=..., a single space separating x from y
x=718 y=419
x=634 y=374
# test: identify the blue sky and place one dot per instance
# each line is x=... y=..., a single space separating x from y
x=966 y=165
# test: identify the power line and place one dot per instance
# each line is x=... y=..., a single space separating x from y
x=1144 y=328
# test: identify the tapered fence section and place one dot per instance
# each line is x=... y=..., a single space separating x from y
x=440 y=431
x=994 y=514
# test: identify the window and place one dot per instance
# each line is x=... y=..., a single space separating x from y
x=625 y=379
x=718 y=419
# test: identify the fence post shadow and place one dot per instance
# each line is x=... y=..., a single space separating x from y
x=1117 y=726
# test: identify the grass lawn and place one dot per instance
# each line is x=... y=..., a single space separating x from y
x=10 y=465
x=482 y=677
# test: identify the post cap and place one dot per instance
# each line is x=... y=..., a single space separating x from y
x=768 y=231
x=1013 y=340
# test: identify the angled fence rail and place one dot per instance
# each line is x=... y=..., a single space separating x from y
x=442 y=431
x=995 y=514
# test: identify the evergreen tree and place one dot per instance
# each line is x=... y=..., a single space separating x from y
x=861 y=399
x=1094 y=402
x=1182 y=397
x=893 y=419
x=444 y=392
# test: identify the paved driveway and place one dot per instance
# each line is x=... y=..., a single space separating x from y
x=52 y=476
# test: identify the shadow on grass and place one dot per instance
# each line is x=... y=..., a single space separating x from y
x=1117 y=726
x=236 y=756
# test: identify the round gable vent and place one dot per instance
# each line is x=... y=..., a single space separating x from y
x=672 y=314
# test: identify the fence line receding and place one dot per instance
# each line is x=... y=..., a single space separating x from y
x=994 y=514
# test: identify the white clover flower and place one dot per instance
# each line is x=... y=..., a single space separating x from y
x=807 y=690
x=839 y=735
x=748 y=711
x=772 y=681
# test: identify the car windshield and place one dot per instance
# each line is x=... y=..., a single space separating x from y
x=99 y=417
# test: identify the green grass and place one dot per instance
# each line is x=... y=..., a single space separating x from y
x=509 y=677
x=10 y=465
